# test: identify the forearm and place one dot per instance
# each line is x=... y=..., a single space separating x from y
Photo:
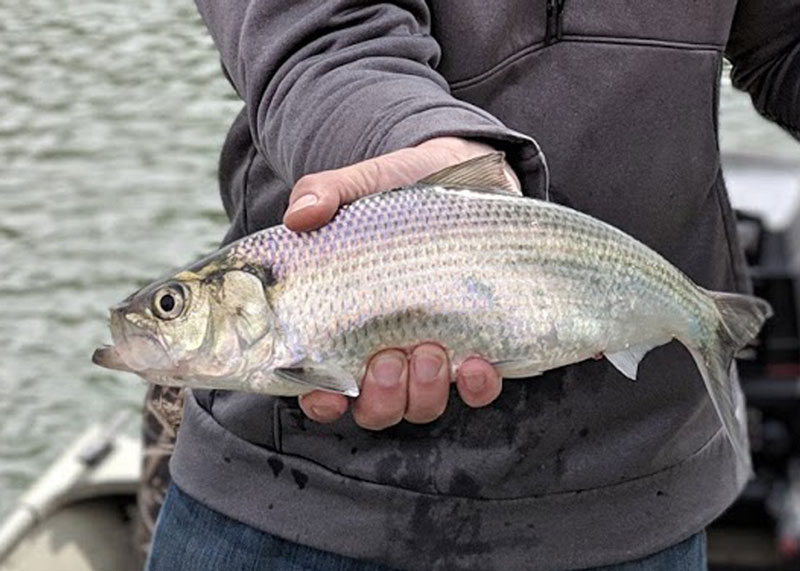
x=764 y=48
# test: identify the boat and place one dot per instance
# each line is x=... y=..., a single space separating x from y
x=79 y=514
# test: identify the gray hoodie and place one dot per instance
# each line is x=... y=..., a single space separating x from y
x=579 y=467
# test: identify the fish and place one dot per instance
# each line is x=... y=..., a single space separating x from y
x=459 y=258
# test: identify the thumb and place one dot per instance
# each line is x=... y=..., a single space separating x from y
x=316 y=197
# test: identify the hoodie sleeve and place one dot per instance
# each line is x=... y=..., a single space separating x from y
x=764 y=48
x=329 y=83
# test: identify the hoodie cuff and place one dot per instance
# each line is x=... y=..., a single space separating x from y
x=523 y=153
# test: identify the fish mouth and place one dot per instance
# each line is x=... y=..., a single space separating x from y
x=133 y=349
x=107 y=356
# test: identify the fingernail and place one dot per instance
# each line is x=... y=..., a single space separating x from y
x=475 y=382
x=303 y=202
x=324 y=412
x=426 y=367
x=387 y=370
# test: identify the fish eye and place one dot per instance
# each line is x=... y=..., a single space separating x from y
x=169 y=301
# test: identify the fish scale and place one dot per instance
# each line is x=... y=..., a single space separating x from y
x=561 y=257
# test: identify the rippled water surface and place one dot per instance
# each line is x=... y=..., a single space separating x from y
x=111 y=117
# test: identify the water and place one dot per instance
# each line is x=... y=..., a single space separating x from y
x=111 y=119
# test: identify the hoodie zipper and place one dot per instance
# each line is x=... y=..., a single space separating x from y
x=555 y=10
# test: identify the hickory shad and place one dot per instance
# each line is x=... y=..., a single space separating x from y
x=456 y=258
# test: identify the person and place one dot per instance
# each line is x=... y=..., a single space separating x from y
x=575 y=469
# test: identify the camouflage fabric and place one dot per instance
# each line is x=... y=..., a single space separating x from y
x=163 y=408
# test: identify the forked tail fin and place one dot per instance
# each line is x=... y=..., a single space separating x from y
x=741 y=318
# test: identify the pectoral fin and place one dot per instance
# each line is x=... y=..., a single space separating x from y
x=320 y=376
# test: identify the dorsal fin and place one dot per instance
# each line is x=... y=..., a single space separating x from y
x=486 y=173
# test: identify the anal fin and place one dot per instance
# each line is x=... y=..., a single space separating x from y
x=627 y=361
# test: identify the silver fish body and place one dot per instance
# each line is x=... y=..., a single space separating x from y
x=526 y=284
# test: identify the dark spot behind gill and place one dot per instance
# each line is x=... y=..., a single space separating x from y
x=263 y=273
x=216 y=277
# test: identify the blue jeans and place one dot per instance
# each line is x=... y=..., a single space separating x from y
x=192 y=537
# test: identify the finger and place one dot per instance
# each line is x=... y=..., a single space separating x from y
x=313 y=202
x=428 y=383
x=384 y=392
x=478 y=383
x=323 y=406
x=316 y=197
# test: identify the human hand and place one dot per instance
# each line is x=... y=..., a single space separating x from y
x=412 y=382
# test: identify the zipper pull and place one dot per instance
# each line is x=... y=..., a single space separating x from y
x=552 y=11
x=553 y=31
x=559 y=18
